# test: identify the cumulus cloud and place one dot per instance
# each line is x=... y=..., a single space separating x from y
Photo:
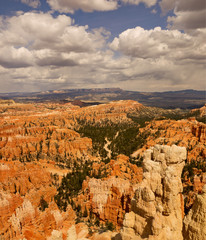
x=85 y=5
x=47 y=52
x=69 y=6
x=15 y=58
x=155 y=43
x=41 y=39
x=163 y=55
x=188 y=14
x=32 y=3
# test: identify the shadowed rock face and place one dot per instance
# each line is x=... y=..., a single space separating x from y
x=157 y=208
x=195 y=221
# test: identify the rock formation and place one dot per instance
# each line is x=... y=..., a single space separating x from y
x=22 y=214
x=109 y=198
x=42 y=142
x=187 y=133
x=157 y=208
x=195 y=221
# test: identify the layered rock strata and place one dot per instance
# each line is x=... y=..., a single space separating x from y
x=157 y=207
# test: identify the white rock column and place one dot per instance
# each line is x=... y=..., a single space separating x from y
x=157 y=205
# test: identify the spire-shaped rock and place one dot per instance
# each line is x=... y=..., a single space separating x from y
x=158 y=203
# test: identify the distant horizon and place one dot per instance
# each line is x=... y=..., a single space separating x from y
x=96 y=88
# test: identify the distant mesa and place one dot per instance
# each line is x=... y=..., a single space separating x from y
x=78 y=103
x=83 y=104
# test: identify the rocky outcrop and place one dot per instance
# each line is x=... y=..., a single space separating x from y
x=157 y=208
x=187 y=133
x=195 y=221
x=71 y=234
x=115 y=112
x=109 y=198
x=23 y=213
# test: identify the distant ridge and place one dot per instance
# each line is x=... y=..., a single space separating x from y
x=188 y=98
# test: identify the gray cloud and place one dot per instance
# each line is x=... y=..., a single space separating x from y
x=190 y=5
x=148 y=3
x=188 y=14
x=188 y=20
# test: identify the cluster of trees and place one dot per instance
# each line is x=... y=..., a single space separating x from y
x=71 y=184
x=98 y=132
x=189 y=170
x=128 y=141
x=190 y=167
x=125 y=142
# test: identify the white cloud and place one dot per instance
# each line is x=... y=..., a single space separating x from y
x=154 y=43
x=40 y=39
x=11 y=57
x=70 y=6
x=32 y=3
x=168 y=56
x=47 y=52
x=85 y=5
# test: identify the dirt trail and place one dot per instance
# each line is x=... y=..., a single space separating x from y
x=109 y=152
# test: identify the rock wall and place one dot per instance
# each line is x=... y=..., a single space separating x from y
x=195 y=221
x=157 y=208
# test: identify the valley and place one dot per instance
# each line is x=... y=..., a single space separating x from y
x=75 y=172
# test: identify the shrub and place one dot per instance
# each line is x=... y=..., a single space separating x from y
x=43 y=204
x=109 y=226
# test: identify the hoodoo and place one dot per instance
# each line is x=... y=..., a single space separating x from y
x=157 y=206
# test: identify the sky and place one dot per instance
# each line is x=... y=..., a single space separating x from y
x=140 y=45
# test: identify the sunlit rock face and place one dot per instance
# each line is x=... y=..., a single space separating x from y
x=157 y=207
x=109 y=198
x=22 y=186
x=187 y=133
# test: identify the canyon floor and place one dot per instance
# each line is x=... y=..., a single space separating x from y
x=119 y=170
